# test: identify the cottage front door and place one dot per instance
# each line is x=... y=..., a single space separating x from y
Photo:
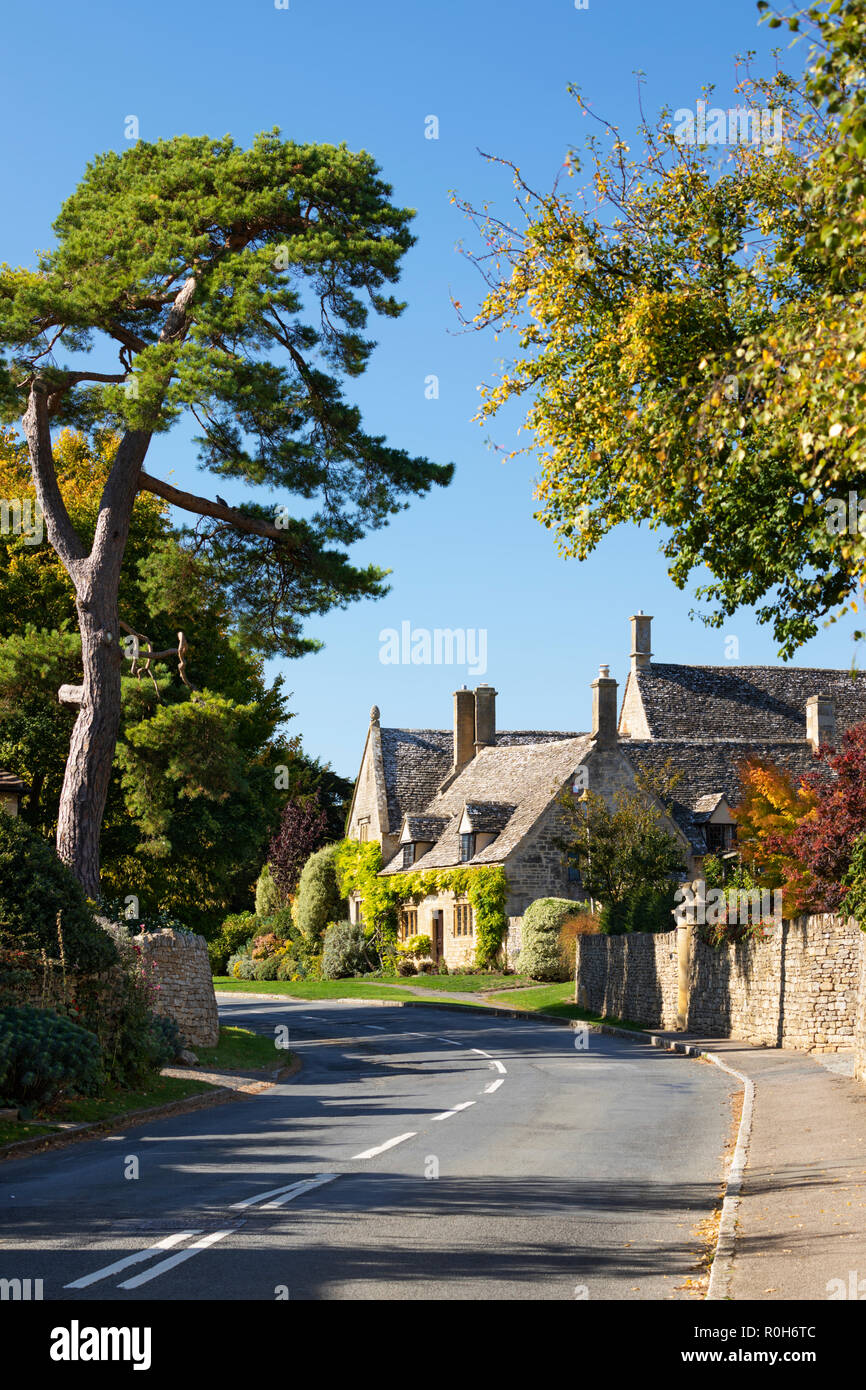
x=438 y=918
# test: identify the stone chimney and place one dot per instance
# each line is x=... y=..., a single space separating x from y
x=485 y=716
x=464 y=727
x=604 y=709
x=641 y=641
x=821 y=721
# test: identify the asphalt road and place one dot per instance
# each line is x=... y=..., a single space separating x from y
x=417 y=1155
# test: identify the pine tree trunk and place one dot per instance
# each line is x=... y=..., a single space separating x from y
x=94 y=738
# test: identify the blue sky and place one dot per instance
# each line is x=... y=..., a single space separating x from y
x=495 y=74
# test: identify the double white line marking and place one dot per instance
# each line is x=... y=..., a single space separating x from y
x=281 y=1196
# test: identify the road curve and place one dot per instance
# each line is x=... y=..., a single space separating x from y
x=419 y=1154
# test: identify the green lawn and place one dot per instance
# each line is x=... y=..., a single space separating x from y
x=311 y=989
x=467 y=984
x=239 y=1049
x=395 y=987
x=557 y=1000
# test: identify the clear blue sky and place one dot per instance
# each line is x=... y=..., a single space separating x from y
x=495 y=74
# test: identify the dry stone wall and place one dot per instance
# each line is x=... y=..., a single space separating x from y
x=632 y=977
x=860 y=1023
x=178 y=965
x=802 y=987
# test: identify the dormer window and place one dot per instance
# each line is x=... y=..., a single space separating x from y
x=720 y=837
x=409 y=854
x=467 y=847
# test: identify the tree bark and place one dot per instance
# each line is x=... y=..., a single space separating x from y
x=96 y=578
x=94 y=737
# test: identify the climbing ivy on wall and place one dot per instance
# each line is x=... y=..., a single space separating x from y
x=486 y=887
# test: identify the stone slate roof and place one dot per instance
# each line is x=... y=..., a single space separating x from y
x=425 y=827
x=709 y=769
x=10 y=783
x=760 y=702
x=521 y=775
x=417 y=761
x=489 y=817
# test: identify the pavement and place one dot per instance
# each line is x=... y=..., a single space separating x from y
x=801 y=1218
x=418 y=1154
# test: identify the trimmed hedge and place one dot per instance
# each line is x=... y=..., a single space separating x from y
x=319 y=899
x=541 y=955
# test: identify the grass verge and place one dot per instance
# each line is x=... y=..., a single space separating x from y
x=559 y=1001
x=311 y=989
x=238 y=1049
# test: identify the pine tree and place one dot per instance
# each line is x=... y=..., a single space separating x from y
x=234 y=285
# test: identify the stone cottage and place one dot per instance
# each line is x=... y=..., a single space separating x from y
x=473 y=795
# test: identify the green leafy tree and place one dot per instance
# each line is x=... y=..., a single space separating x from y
x=624 y=847
x=690 y=335
x=203 y=267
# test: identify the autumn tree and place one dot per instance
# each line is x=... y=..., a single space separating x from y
x=689 y=329
x=774 y=802
x=819 y=846
x=232 y=286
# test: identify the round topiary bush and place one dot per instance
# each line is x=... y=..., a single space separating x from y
x=35 y=886
x=541 y=955
x=346 y=951
x=43 y=1055
x=319 y=900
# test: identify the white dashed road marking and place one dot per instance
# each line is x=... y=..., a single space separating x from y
x=447 y=1113
x=494 y=1086
x=380 y=1148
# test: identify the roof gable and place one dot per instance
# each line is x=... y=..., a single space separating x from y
x=509 y=785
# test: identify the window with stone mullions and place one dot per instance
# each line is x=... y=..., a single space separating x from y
x=463 y=923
